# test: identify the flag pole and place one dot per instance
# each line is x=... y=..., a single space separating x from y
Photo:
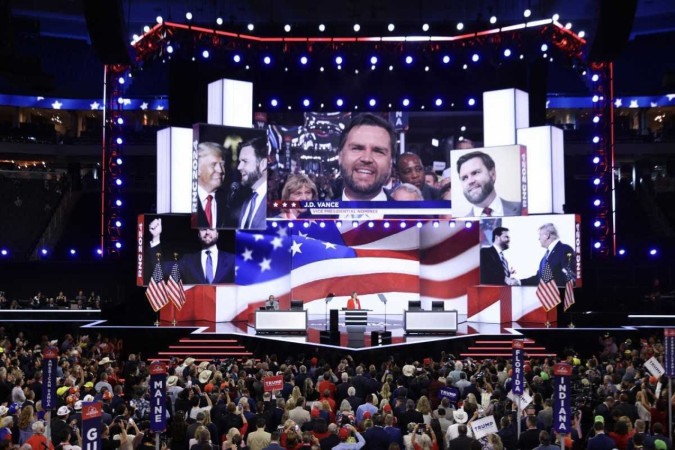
x=173 y=307
x=159 y=261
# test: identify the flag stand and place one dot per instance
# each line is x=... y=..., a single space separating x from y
x=173 y=314
x=157 y=321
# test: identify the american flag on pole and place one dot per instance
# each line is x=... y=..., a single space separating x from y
x=174 y=287
x=547 y=291
x=569 y=292
x=309 y=261
x=156 y=291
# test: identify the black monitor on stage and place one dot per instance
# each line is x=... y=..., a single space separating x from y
x=414 y=305
x=437 y=305
x=296 y=305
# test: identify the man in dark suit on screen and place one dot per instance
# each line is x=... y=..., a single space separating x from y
x=208 y=266
x=477 y=174
x=212 y=210
x=560 y=258
x=494 y=269
x=253 y=169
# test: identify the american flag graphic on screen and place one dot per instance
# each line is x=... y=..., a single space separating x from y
x=309 y=261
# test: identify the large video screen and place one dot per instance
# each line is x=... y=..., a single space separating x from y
x=229 y=177
x=340 y=165
x=519 y=251
x=204 y=256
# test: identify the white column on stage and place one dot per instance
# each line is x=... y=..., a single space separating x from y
x=173 y=180
x=504 y=111
x=230 y=103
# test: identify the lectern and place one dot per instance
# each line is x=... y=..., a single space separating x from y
x=356 y=321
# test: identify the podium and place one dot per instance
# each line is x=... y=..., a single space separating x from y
x=355 y=322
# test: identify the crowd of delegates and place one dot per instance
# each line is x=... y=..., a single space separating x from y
x=323 y=405
x=61 y=301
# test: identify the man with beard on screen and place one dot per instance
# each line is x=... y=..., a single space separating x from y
x=253 y=169
x=365 y=154
x=477 y=174
x=210 y=265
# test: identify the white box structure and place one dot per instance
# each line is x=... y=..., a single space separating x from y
x=174 y=157
x=545 y=168
x=504 y=111
x=230 y=103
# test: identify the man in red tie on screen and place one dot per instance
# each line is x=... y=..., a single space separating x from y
x=353 y=302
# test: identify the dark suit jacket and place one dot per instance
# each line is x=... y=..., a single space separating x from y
x=260 y=219
x=461 y=443
x=561 y=257
x=430 y=193
x=222 y=211
x=491 y=268
x=376 y=438
x=510 y=209
x=190 y=266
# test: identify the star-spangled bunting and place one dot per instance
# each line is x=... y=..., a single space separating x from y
x=156 y=291
x=174 y=287
x=547 y=291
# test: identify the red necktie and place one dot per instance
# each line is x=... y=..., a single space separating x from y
x=487 y=212
x=207 y=210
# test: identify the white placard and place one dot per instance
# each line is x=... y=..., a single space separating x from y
x=483 y=427
x=438 y=166
x=654 y=367
x=525 y=399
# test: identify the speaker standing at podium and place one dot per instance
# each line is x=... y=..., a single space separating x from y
x=272 y=303
x=353 y=302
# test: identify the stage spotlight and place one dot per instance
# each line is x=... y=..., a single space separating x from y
x=146 y=29
x=426 y=68
x=339 y=102
x=250 y=27
x=44 y=252
x=408 y=59
x=118 y=245
x=468 y=224
x=338 y=60
x=303 y=60
x=274 y=102
x=120 y=121
x=403 y=224
x=435 y=224
x=274 y=224
x=471 y=101
x=118 y=202
x=527 y=13
x=597 y=224
x=596 y=160
x=425 y=27
x=391 y=68
x=322 y=27
x=419 y=224
x=118 y=182
x=4 y=252
x=305 y=224
x=119 y=141
x=373 y=60
x=446 y=59
x=338 y=224
x=453 y=224
x=406 y=102
x=582 y=34
x=291 y=224
x=119 y=161
x=188 y=15
x=99 y=252
x=205 y=54
x=439 y=102
x=305 y=102
x=267 y=60
x=322 y=224
x=391 y=27
x=287 y=28
x=120 y=80
x=236 y=58
x=596 y=182
x=357 y=27
x=371 y=224
x=355 y=223
x=159 y=19
x=596 y=119
x=169 y=49
x=596 y=139
x=653 y=252
x=219 y=21
x=597 y=245
x=372 y=102
x=462 y=128
x=386 y=224
x=622 y=251
x=544 y=47
x=475 y=57
x=595 y=99
x=597 y=202
x=460 y=26
x=568 y=25
x=507 y=52
x=595 y=77
x=118 y=223
x=73 y=251
x=493 y=19
x=556 y=17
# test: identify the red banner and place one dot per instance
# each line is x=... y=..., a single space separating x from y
x=275 y=383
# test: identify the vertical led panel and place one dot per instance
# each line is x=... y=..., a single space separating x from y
x=230 y=103
x=546 y=168
x=174 y=157
x=504 y=111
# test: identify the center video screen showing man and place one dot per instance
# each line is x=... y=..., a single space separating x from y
x=229 y=177
x=341 y=166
